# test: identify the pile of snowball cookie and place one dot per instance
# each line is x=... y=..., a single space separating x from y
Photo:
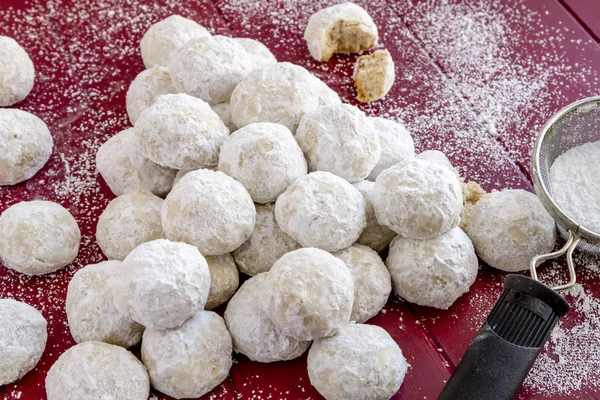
x=238 y=163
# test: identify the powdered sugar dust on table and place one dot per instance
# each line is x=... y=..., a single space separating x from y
x=474 y=79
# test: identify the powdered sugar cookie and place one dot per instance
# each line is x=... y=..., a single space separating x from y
x=433 y=272
x=266 y=244
x=223 y=110
x=38 y=237
x=361 y=362
x=165 y=37
x=417 y=198
x=147 y=86
x=96 y=370
x=191 y=360
x=224 y=280
x=25 y=145
x=91 y=312
x=375 y=235
x=23 y=338
x=322 y=210
x=339 y=139
x=209 y=68
x=252 y=332
x=374 y=76
x=259 y=53
x=17 y=72
x=395 y=142
x=265 y=158
x=125 y=169
x=341 y=28
x=162 y=284
x=128 y=221
x=181 y=132
x=309 y=294
x=209 y=210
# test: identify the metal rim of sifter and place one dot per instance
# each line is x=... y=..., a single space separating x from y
x=576 y=233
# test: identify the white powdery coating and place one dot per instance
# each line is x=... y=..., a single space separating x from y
x=327 y=96
x=25 y=145
x=251 y=329
x=224 y=280
x=279 y=93
x=181 y=132
x=374 y=75
x=375 y=235
x=162 y=284
x=22 y=339
x=91 y=313
x=266 y=244
x=439 y=157
x=259 y=54
x=265 y=158
x=419 y=199
x=318 y=33
x=361 y=362
x=575 y=182
x=209 y=210
x=147 y=86
x=223 y=110
x=128 y=221
x=96 y=370
x=16 y=71
x=322 y=210
x=165 y=37
x=509 y=228
x=434 y=272
x=372 y=282
x=38 y=237
x=209 y=68
x=189 y=361
x=339 y=139
x=396 y=145
x=125 y=169
x=309 y=294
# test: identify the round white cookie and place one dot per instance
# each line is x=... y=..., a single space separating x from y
x=327 y=96
x=433 y=272
x=265 y=158
x=162 y=284
x=38 y=237
x=419 y=199
x=223 y=110
x=266 y=244
x=209 y=68
x=396 y=145
x=126 y=170
x=17 y=72
x=23 y=338
x=251 y=329
x=209 y=210
x=25 y=145
x=509 y=228
x=339 y=139
x=191 y=360
x=322 y=210
x=91 y=313
x=375 y=235
x=361 y=362
x=372 y=282
x=128 y=221
x=147 y=86
x=341 y=28
x=96 y=370
x=181 y=132
x=259 y=54
x=279 y=93
x=224 y=280
x=165 y=37
x=374 y=75
x=309 y=294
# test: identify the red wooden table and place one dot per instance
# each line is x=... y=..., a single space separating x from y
x=474 y=78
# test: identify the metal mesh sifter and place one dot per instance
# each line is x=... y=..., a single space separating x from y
x=514 y=333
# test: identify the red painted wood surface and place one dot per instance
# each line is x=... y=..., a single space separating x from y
x=86 y=54
x=587 y=13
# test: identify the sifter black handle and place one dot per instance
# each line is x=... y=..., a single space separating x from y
x=500 y=357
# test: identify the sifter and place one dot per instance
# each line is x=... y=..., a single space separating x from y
x=514 y=333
